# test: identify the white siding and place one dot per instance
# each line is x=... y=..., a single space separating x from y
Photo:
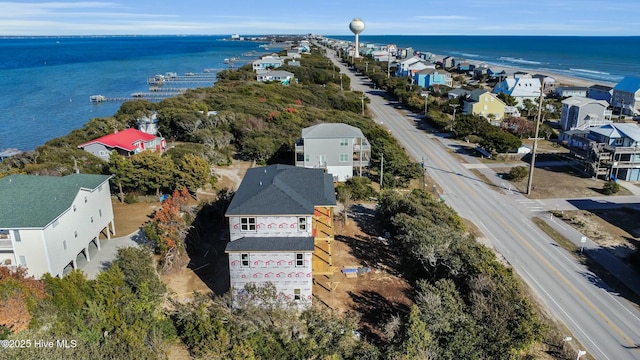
x=278 y=268
x=270 y=226
x=43 y=249
x=32 y=248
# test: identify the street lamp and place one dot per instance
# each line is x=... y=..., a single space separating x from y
x=454 y=106
x=580 y=354
x=565 y=340
x=425 y=95
x=362 y=99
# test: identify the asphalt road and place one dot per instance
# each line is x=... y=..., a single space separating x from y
x=607 y=325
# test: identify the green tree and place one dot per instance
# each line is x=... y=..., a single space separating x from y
x=193 y=172
x=123 y=171
x=153 y=172
x=418 y=341
x=507 y=99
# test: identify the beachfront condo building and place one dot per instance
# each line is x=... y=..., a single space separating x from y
x=50 y=224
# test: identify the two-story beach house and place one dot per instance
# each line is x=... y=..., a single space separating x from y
x=484 y=103
x=268 y=62
x=432 y=77
x=284 y=77
x=568 y=91
x=281 y=230
x=126 y=142
x=600 y=92
x=410 y=66
x=580 y=113
x=339 y=148
x=626 y=96
x=610 y=151
x=520 y=88
x=50 y=223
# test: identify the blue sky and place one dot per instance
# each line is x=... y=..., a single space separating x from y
x=328 y=17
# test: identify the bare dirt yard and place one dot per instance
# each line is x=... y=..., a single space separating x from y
x=377 y=295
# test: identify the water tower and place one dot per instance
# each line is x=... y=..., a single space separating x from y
x=356 y=26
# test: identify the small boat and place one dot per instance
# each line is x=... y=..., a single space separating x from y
x=209 y=70
x=97 y=98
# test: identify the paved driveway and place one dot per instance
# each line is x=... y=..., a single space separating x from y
x=108 y=251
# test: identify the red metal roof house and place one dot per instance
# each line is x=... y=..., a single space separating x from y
x=126 y=142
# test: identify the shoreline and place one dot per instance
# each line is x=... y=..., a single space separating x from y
x=561 y=79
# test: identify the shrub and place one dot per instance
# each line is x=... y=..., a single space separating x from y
x=610 y=187
x=518 y=173
x=360 y=188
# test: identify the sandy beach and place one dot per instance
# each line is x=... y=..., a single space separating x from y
x=561 y=80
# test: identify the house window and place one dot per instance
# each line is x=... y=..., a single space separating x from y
x=618 y=141
x=100 y=212
x=23 y=261
x=306 y=157
x=74 y=208
x=4 y=234
x=344 y=142
x=244 y=260
x=16 y=235
x=103 y=153
x=247 y=224
x=92 y=219
x=302 y=224
x=344 y=157
x=299 y=259
x=75 y=233
x=64 y=244
x=296 y=295
x=85 y=199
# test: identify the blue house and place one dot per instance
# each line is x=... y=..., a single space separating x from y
x=431 y=77
x=625 y=95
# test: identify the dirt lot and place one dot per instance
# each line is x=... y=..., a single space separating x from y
x=559 y=182
x=130 y=217
x=376 y=295
x=615 y=230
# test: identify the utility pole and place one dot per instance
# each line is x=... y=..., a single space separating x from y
x=454 y=106
x=535 y=141
x=362 y=99
x=424 y=181
x=381 y=169
x=341 y=82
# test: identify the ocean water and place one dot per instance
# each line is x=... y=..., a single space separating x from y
x=46 y=82
x=598 y=59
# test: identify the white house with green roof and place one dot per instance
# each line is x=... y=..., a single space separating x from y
x=48 y=223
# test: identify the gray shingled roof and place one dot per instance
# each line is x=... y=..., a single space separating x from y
x=250 y=244
x=282 y=190
x=331 y=131
x=29 y=201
